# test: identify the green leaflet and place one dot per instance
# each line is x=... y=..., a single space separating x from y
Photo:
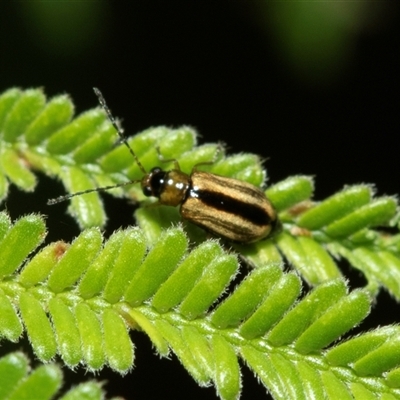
x=27 y=233
x=247 y=297
x=7 y=101
x=209 y=287
x=378 y=212
x=22 y=112
x=200 y=349
x=19 y=382
x=156 y=268
x=335 y=207
x=42 y=264
x=90 y=331
x=120 y=357
x=10 y=325
x=13 y=368
x=120 y=159
x=41 y=383
x=290 y=192
x=302 y=315
x=175 y=289
x=227 y=374
x=346 y=313
x=354 y=349
x=16 y=171
x=98 y=144
x=87 y=209
x=280 y=298
x=126 y=262
x=335 y=387
x=67 y=139
x=38 y=326
x=75 y=261
x=138 y=320
x=178 y=345
x=309 y=257
x=66 y=332
x=245 y=167
x=88 y=390
x=57 y=113
x=96 y=276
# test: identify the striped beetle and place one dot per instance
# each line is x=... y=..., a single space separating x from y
x=227 y=207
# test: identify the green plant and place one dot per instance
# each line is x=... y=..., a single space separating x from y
x=79 y=300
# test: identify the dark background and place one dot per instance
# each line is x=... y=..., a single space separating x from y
x=312 y=87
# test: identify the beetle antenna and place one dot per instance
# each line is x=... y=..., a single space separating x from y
x=123 y=139
x=60 y=199
x=103 y=104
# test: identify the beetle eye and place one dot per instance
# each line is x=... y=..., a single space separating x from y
x=153 y=182
x=156 y=182
x=147 y=191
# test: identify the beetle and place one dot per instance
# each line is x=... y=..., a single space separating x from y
x=227 y=207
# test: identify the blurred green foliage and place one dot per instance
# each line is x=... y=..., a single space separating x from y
x=64 y=28
x=317 y=40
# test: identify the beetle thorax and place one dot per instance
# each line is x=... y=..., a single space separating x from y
x=169 y=186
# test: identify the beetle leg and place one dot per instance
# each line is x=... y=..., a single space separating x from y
x=219 y=150
x=167 y=160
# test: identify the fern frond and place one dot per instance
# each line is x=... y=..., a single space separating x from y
x=19 y=382
x=172 y=294
x=79 y=300
x=340 y=226
x=81 y=153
